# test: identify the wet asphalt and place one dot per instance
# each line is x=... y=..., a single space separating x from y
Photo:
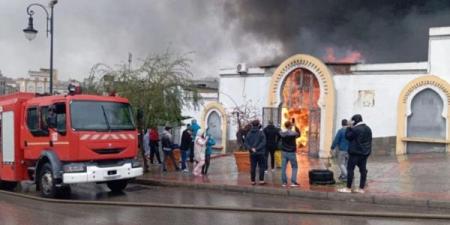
x=18 y=211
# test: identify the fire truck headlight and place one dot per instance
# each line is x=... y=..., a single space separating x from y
x=135 y=164
x=74 y=168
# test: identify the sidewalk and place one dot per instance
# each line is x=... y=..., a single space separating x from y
x=417 y=179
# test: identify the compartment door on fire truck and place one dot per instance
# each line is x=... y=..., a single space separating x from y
x=7 y=135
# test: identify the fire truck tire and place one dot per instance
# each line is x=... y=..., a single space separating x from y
x=46 y=183
x=8 y=185
x=117 y=185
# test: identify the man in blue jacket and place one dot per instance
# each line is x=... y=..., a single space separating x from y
x=255 y=142
x=359 y=136
x=342 y=155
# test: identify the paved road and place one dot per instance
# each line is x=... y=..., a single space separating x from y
x=19 y=211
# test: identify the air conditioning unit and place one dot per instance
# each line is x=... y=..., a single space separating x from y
x=242 y=68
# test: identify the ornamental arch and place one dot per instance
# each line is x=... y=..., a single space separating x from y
x=422 y=116
x=323 y=107
x=214 y=116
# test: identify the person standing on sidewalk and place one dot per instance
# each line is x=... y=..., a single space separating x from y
x=342 y=154
x=200 y=149
x=211 y=142
x=194 y=127
x=359 y=136
x=167 y=146
x=154 y=145
x=289 y=153
x=186 y=140
x=255 y=142
x=272 y=138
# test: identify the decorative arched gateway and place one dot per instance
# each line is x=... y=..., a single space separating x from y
x=423 y=116
x=214 y=116
x=303 y=87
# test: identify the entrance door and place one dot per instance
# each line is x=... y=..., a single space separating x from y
x=300 y=96
x=215 y=127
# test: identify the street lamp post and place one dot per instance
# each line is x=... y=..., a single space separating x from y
x=30 y=32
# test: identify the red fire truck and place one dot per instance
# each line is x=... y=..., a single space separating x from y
x=56 y=141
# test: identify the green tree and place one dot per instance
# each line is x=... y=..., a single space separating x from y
x=160 y=86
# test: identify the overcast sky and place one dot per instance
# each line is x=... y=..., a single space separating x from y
x=219 y=33
x=88 y=32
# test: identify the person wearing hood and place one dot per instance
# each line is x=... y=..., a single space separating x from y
x=194 y=128
x=359 y=136
x=200 y=150
x=209 y=144
x=255 y=142
x=272 y=138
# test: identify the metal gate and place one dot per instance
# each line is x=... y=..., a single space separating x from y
x=301 y=92
x=314 y=132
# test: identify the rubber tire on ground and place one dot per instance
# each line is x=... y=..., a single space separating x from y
x=49 y=190
x=321 y=177
x=117 y=185
x=8 y=185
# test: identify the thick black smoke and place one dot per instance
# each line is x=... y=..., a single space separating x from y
x=382 y=30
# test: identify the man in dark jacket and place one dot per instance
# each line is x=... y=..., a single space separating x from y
x=272 y=138
x=186 y=140
x=359 y=136
x=255 y=142
x=289 y=153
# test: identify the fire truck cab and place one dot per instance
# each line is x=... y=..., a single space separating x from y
x=56 y=141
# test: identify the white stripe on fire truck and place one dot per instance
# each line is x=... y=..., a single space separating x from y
x=37 y=143
x=123 y=136
x=85 y=137
x=61 y=143
x=131 y=136
x=95 y=137
x=114 y=136
x=105 y=136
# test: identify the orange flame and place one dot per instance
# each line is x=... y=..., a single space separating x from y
x=350 y=57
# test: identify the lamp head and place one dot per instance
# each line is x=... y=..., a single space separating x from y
x=30 y=32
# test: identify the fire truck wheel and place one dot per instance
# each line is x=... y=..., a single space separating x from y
x=47 y=182
x=117 y=185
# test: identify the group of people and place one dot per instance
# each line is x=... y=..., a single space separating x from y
x=196 y=144
x=352 y=145
x=263 y=142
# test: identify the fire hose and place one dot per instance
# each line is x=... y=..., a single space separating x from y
x=422 y=216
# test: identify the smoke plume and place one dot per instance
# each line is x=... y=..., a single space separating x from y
x=382 y=30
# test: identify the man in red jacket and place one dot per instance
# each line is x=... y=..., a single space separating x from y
x=154 y=145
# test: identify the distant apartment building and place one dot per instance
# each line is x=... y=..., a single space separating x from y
x=7 y=85
x=37 y=81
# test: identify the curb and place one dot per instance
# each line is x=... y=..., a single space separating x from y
x=331 y=196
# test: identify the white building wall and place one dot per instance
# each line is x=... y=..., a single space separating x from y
x=382 y=116
x=236 y=90
x=439 y=52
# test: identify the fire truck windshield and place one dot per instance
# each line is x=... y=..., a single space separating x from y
x=101 y=116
